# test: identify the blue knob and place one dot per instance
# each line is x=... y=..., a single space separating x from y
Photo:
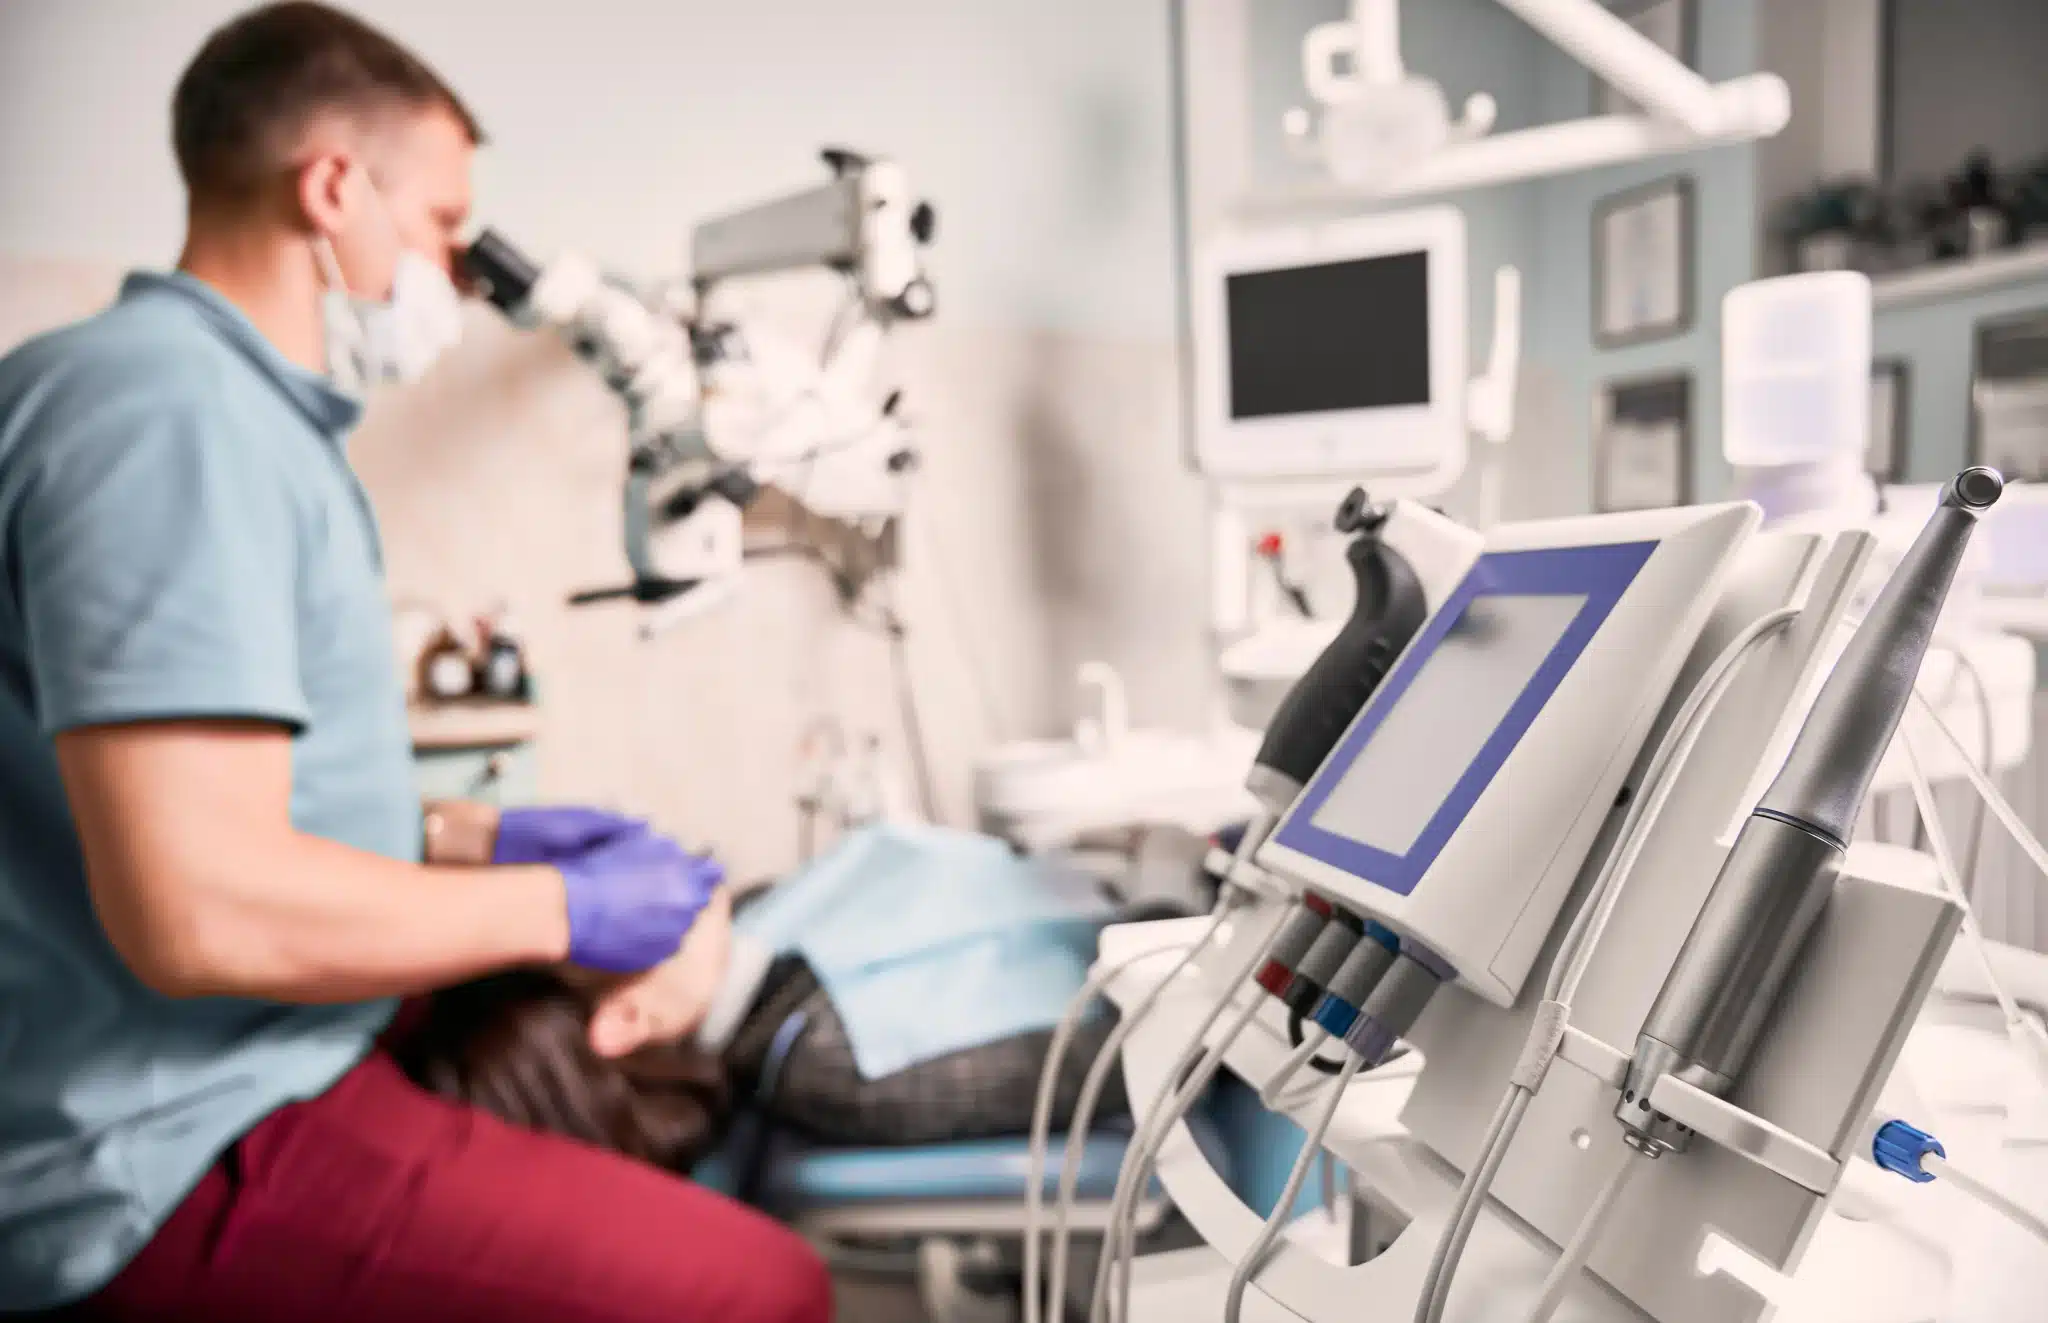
x=1899 y=1147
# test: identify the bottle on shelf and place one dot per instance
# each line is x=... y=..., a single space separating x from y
x=447 y=671
x=501 y=672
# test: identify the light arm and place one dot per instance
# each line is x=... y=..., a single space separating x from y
x=1637 y=67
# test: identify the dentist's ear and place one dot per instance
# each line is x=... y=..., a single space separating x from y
x=325 y=192
x=340 y=203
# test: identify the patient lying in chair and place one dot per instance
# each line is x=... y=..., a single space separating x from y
x=903 y=993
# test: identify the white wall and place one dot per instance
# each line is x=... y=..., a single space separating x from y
x=1056 y=522
x=1038 y=127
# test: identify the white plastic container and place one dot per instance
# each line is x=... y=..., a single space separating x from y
x=1042 y=794
x=1837 y=492
x=1260 y=669
x=1795 y=369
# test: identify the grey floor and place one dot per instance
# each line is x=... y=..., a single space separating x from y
x=891 y=1296
x=860 y=1300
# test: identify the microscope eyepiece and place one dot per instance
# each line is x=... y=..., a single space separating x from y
x=506 y=274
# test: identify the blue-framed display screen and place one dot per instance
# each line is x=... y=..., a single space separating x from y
x=1410 y=769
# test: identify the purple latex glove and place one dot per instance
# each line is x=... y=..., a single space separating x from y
x=551 y=835
x=632 y=898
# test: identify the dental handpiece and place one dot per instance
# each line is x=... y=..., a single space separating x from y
x=1389 y=607
x=1781 y=870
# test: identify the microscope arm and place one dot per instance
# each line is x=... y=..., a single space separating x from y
x=862 y=222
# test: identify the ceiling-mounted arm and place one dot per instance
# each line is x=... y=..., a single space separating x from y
x=1624 y=58
x=1372 y=38
x=1400 y=106
x=1384 y=132
x=1759 y=106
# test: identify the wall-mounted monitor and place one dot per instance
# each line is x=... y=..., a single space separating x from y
x=1334 y=350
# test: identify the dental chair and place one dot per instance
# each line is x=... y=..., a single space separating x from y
x=950 y=1215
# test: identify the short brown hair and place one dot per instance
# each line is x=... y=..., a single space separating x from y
x=254 y=87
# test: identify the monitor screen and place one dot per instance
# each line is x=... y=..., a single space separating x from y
x=1443 y=719
x=1337 y=336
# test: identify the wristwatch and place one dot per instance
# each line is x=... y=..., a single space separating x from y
x=461 y=833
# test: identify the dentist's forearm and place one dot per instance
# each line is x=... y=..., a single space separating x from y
x=352 y=925
x=205 y=888
x=301 y=919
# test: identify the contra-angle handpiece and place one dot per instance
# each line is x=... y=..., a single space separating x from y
x=1781 y=870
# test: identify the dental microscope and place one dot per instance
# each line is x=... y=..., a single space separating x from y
x=716 y=411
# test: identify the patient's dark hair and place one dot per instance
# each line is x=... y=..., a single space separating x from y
x=516 y=1045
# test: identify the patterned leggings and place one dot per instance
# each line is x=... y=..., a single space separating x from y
x=979 y=1093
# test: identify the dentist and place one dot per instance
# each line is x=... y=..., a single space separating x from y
x=214 y=881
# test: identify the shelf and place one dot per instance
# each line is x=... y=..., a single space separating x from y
x=471 y=725
x=1974 y=275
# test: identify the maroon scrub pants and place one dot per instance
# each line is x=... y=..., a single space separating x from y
x=380 y=1201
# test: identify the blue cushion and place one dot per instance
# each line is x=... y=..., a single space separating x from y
x=801 y=1175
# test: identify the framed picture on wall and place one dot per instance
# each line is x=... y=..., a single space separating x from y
x=1671 y=24
x=1890 y=397
x=1642 y=263
x=1642 y=443
x=2009 y=396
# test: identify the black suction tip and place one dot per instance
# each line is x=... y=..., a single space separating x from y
x=1976 y=488
x=1357 y=513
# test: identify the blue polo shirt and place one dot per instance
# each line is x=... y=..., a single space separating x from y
x=181 y=537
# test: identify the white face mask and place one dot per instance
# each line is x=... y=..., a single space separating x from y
x=372 y=342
